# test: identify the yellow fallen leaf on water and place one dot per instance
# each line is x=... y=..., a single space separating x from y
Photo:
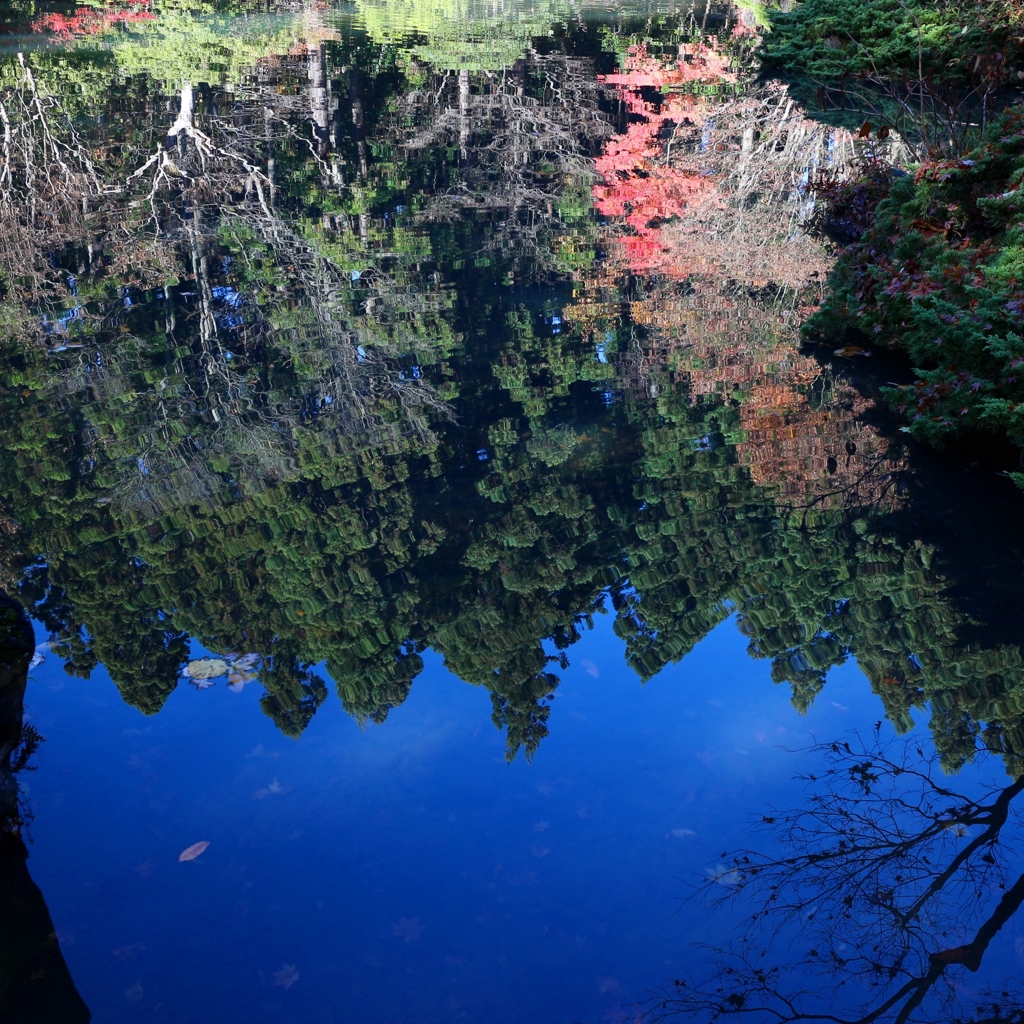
x=193 y=851
x=849 y=351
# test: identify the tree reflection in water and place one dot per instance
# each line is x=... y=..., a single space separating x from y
x=293 y=396
x=884 y=889
x=292 y=369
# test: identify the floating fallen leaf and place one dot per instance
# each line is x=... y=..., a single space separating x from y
x=237 y=679
x=286 y=976
x=206 y=668
x=849 y=351
x=193 y=851
x=723 y=875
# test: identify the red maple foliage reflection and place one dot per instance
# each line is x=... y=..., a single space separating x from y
x=640 y=183
x=85 y=21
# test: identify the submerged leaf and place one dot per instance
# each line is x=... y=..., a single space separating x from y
x=286 y=976
x=193 y=851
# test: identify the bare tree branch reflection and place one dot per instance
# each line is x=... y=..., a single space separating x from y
x=209 y=190
x=523 y=133
x=875 y=898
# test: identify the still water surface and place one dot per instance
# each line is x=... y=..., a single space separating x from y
x=426 y=505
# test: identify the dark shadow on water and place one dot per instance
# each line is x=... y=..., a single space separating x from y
x=36 y=986
x=960 y=500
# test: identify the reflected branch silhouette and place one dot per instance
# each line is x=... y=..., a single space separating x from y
x=862 y=898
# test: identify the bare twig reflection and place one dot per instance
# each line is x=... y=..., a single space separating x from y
x=877 y=894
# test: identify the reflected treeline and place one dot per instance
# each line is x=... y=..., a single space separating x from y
x=877 y=902
x=336 y=355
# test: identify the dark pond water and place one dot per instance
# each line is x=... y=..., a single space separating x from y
x=443 y=553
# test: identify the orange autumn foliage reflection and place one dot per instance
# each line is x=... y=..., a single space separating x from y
x=803 y=436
